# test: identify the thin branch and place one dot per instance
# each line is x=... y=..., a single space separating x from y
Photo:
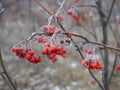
x=5 y=72
x=110 y=12
x=43 y=7
x=2 y=74
x=96 y=79
x=113 y=69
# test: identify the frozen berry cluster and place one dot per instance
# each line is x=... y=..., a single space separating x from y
x=28 y=54
x=92 y=64
x=49 y=30
x=53 y=51
x=73 y=13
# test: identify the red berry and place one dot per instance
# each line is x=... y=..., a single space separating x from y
x=61 y=42
x=89 y=51
x=117 y=67
x=32 y=59
x=53 y=55
x=24 y=53
x=69 y=12
x=60 y=18
x=76 y=17
x=54 y=60
x=28 y=56
x=37 y=59
x=31 y=52
x=13 y=49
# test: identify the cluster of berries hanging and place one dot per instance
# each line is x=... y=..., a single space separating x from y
x=91 y=62
x=28 y=54
x=49 y=30
x=53 y=51
x=72 y=12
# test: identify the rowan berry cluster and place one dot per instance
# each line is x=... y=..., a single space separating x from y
x=91 y=60
x=73 y=13
x=49 y=30
x=28 y=54
x=92 y=64
x=53 y=51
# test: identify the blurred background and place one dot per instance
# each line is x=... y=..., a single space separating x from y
x=22 y=17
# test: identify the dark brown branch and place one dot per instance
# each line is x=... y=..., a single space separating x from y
x=96 y=79
x=5 y=72
x=110 y=12
x=2 y=75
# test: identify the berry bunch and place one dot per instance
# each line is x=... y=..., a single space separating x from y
x=73 y=13
x=53 y=51
x=27 y=54
x=92 y=64
x=41 y=40
x=49 y=30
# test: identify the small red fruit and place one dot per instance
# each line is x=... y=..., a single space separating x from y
x=31 y=52
x=54 y=60
x=28 y=56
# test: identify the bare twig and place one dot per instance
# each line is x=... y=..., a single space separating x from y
x=96 y=79
x=2 y=74
x=111 y=75
x=44 y=8
x=5 y=72
x=110 y=12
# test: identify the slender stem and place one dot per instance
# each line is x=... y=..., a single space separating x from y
x=97 y=43
x=42 y=6
x=2 y=74
x=61 y=6
x=5 y=72
x=110 y=12
x=105 y=42
x=76 y=46
x=113 y=69
x=95 y=34
x=96 y=79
